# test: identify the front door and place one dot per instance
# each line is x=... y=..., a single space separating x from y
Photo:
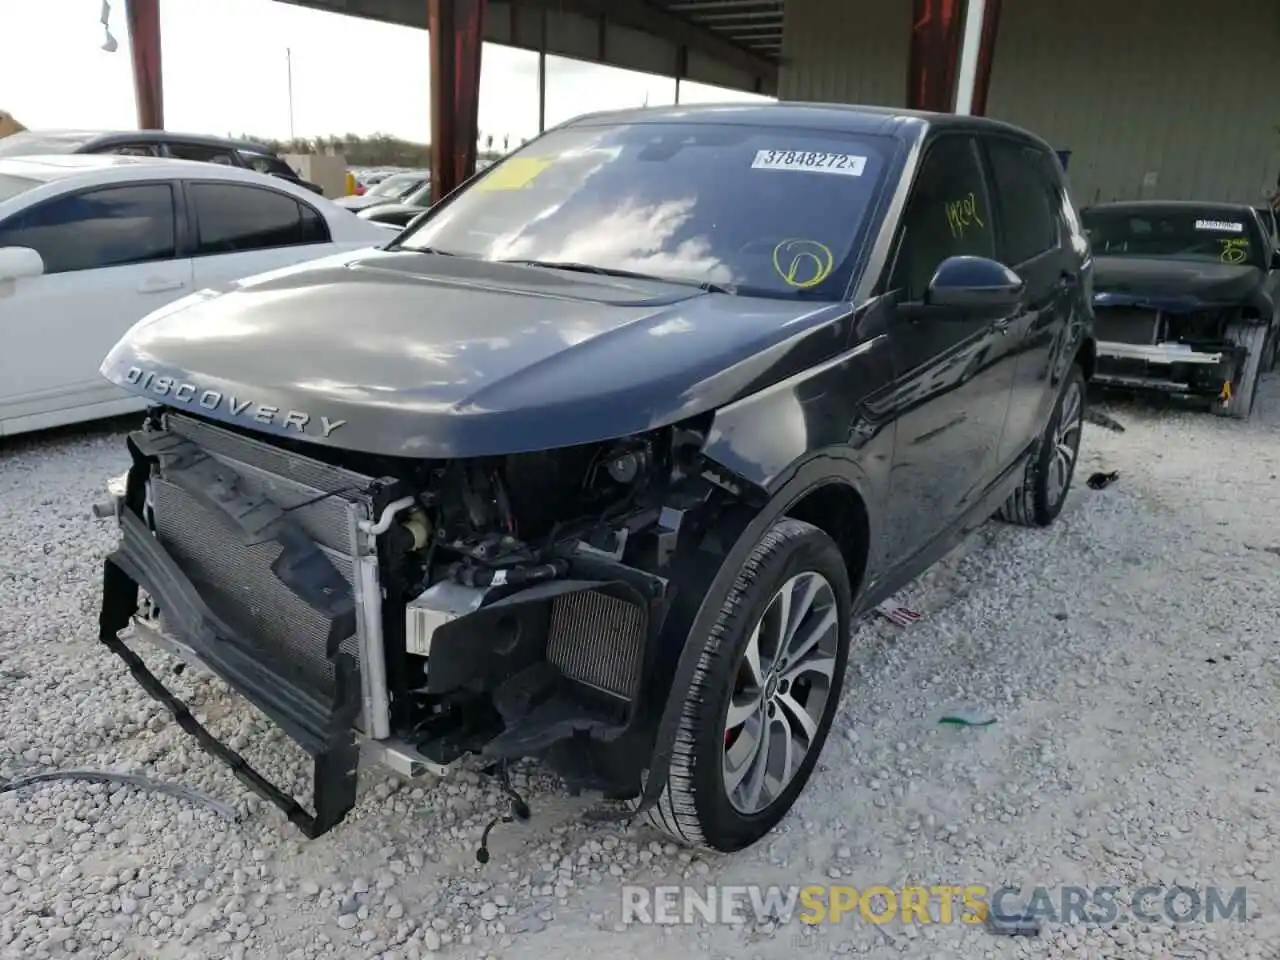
x=953 y=374
x=110 y=258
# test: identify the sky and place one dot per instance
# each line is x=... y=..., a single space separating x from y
x=226 y=71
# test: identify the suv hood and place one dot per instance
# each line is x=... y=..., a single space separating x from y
x=418 y=355
x=1171 y=284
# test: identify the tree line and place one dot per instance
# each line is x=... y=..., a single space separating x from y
x=380 y=149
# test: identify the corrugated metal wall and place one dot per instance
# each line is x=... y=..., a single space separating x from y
x=1155 y=98
x=1185 y=103
x=845 y=51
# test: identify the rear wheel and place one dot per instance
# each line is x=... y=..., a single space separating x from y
x=764 y=694
x=1048 y=476
x=1237 y=401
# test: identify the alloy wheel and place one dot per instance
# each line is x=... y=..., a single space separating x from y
x=1066 y=442
x=781 y=691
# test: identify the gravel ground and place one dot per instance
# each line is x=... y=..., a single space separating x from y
x=1127 y=655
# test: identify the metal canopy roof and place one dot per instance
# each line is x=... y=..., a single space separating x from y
x=729 y=43
x=754 y=25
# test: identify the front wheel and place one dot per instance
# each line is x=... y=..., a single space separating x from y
x=1237 y=400
x=1038 y=501
x=764 y=694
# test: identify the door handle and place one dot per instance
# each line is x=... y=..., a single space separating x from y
x=160 y=286
x=1068 y=280
x=1002 y=324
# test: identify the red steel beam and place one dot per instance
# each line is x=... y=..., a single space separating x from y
x=936 y=30
x=986 y=56
x=456 y=34
x=143 y=18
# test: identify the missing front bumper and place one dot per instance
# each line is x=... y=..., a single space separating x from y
x=1170 y=368
x=324 y=728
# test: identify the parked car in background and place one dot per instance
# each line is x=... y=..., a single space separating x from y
x=393 y=188
x=89 y=244
x=400 y=212
x=155 y=143
x=599 y=462
x=1185 y=295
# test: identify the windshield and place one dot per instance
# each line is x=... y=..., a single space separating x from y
x=11 y=186
x=1214 y=237
x=765 y=211
x=395 y=186
x=30 y=144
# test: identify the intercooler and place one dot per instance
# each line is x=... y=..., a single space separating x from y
x=233 y=573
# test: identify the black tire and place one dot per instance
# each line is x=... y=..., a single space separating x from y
x=1244 y=387
x=696 y=808
x=1038 y=501
x=1269 y=352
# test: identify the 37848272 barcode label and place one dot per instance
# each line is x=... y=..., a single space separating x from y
x=804 y=161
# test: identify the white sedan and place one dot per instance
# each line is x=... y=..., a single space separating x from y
x=91 y=244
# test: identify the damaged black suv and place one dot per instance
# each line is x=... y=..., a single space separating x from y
x=599 y=462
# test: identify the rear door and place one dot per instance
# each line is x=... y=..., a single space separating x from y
x=1034 y=242
x=111 y=257
x=241 y=230
x=951 y=388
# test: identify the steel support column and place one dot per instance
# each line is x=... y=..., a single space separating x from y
x=143 y=18
x=933 y=60
x=986 y=57
x=456 y=34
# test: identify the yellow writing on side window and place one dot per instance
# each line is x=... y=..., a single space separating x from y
x=1234 y=249
x=514 y=174
x=962 y=214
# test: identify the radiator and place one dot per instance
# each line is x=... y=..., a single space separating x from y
x=234 y=576
x=1126 y=325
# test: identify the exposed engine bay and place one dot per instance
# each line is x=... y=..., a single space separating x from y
x=504 y=607
x=1197 y=351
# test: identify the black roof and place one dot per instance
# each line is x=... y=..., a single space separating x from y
x=101 y=138
x=846 y=118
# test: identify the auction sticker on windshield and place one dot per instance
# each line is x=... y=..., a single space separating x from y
x=842 y=164
x=1220 y=226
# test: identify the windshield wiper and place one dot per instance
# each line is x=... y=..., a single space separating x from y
x=706 y=286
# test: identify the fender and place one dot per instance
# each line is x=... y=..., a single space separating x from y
x=833 y=465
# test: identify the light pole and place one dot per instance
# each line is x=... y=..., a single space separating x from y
x=288 y=62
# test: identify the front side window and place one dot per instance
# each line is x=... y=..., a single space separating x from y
x=766 y=211
x=1029 y=223
x=232 y=219
x=110 y=227
x=948 y=215
x=1200 y=234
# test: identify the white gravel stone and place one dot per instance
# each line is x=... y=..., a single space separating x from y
x=1128 y=654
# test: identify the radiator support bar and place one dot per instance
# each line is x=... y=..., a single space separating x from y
x=325 y=731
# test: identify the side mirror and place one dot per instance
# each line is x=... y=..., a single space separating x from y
x=20 y=263
x=975 y=283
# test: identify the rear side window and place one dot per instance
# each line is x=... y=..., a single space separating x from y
x=232 y=219
x=110 y=227
x=1028 y=212
x=948 y=215
x=133 y=150
x=195 y=151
